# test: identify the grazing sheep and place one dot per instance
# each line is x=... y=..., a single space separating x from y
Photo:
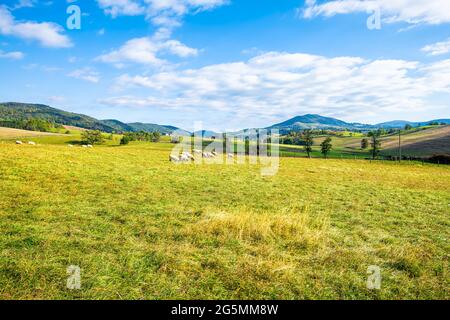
x=90 y=146
x=184 y=158
x=173 y=158
x=70 y=146
x=84 y=146
x=196 y=151
x=187 y=154
x=32 y=143
x=230 y=155
x=208 y=155
x=19 y=142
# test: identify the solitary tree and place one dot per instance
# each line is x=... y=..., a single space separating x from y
x=308 y=142
x=375 y=143
x=364 y=144
x=92 y=136
x=326 y=146
x=125 y=140
x=156 y=136
x=408 y=127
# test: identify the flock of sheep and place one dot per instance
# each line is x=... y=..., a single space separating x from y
x=83 y=146
x=187 y=156
x=70 y=145
x=29 y=142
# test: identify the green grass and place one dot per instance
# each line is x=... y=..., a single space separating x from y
x=142 y=228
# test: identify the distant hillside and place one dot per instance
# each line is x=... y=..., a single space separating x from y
x=206 y=133
x=12 y=111
x=151 y=127
x=401 y=123
x=417 y=142
x=21 y=111
x=117 y=125
x=420 y=143
x=315 y=121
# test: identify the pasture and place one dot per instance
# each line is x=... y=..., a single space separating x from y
x=141 y=227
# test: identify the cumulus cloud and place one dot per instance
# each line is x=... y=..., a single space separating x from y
x=145 y=51
x=279 y=85
x=48 y=34
x=437 y=48
x=410 y=11
x=85 y=74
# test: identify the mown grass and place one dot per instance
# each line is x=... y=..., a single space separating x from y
x=142 y=228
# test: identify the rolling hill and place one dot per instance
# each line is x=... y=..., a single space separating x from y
x=23 y=111
x=402 y=123
x=151 y=127
x=417 y=142
x=315 y=121
x=11 y=111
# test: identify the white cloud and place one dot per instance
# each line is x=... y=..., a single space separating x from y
x=168 y=12
x=85 y=74
x=14 y=55
x=48 y=34
x=409 y=11
x=438 y=48
x=121 y=7
x=24 y=4
x=279 y=85
x=145 y=51
x=161 y=12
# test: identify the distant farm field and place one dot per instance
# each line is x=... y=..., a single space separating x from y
x=140 y=227
x=9 y=133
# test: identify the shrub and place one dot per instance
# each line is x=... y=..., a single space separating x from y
x=125 y=140
x=92 y=137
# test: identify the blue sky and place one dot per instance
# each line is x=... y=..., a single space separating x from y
x=230 y=64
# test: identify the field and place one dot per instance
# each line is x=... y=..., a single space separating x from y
x=9 y=133
x=142 y=228
x=420 y=142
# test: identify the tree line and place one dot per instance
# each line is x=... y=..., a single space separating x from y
x=140 y=136
x=31 y=124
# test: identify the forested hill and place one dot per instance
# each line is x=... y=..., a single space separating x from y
x=13 y=113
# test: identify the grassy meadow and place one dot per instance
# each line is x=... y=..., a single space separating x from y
x=141 y=227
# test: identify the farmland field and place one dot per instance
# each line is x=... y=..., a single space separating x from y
x=9 y=133
x=142 y=228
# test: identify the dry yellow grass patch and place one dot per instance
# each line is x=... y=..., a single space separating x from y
x=10 y=133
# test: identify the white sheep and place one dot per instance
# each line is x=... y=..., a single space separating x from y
x=84 y=146
x=32 y=143
x=230 y=155
x=187 y=154
x=90 y=146
x=196 y=151
x=173 y=158
x=70 y=146
x=184 y=158
x=19 y=142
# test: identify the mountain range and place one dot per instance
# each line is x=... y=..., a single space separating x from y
x=11 y=111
